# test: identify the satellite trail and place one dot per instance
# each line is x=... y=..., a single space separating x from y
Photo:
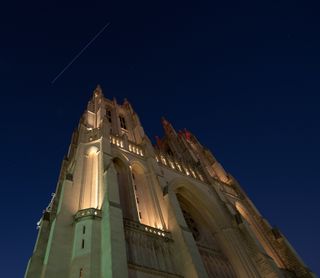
x=80 y=52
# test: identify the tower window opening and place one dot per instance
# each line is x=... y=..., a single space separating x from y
x=140 y=215
x=82 y=244
x=137 y=200
x=108 y=115
x=191 y=224
x=84 y=229
x=122 y=122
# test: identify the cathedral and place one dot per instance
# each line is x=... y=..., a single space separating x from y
x=124 y=207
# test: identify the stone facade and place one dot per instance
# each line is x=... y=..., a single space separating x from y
x=126 y=208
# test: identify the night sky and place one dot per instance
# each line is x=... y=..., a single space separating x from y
x=244 y=78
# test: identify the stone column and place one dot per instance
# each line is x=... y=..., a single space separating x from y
x=114 y=258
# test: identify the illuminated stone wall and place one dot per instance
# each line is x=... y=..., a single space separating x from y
x=126 y=208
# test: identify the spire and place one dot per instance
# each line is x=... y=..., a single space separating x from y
x=159 y=142
x=98 y=91
x=187 y=134
x=168 y=128
x=127 y=105
x=93 y=119
x=115 y=101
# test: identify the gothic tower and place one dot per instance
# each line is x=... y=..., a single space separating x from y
x=126 y=208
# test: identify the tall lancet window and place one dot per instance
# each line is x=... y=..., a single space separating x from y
x=90 y=182
x=145 y=202
x=126 y=193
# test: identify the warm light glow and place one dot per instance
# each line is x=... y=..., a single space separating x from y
x=90 y=184
x=193 y=173
x=92 y=150
x=200 y=176
x=163 y=160
x=146 y=209
x=187 y=171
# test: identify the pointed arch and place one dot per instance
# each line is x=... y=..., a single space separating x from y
x=202 y=217
x=202 y=198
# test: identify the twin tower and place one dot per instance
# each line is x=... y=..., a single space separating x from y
x=125 y=208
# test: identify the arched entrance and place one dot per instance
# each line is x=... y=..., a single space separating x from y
x=215 y=261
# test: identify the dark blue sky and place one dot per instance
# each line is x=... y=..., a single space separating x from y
x=244 y=78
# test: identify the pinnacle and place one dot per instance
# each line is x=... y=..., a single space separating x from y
x=98 y=91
